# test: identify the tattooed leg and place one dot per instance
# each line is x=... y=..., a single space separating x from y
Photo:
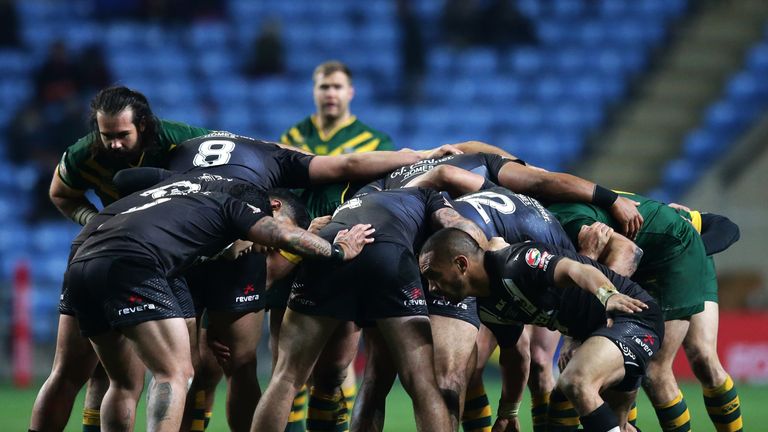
x=163 y=346
x=126 y=380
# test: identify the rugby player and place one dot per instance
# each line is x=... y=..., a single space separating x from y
x=125 y=132
x=544 y=285
x=392 y=298
x=331 y=130
x=152 y=236
x=675 y=269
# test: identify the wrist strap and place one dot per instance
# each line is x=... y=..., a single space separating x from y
x=508 y=409
x=604 y=198
x=604 y=293
x=83 y=214
x=337 y=253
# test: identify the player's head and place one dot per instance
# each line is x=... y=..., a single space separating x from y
x=122 y=121
x=251 y=195
x=333 y=90
x=288 y=207
x=445 y=260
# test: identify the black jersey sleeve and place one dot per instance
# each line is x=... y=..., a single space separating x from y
x=506 y=335
x=495 y=163
x=243 y=215
x=295 y=168
x=436 y=201
x=718 y=232
x=132 y=180
x=533 y=265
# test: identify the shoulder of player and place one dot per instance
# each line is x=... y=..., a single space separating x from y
x=171 y=133
x=299 y=131
x=80 y=151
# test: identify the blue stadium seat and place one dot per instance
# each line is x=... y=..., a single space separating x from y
x=702 y=147
x=527 y=61
x=757 y=59
x=14 y=62
x=678 y=175
x=209 y=35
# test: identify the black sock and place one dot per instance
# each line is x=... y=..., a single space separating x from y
x=600 y=420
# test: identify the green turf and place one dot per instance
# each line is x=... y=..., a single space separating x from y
x=15 y=406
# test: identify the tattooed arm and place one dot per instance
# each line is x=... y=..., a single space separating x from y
x=270 y=232
x=450 y=218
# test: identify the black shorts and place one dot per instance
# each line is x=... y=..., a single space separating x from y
x=382 y=282
x=465 y=310
x=230 y=286
x=278 y=293
x=638 y=338
x=109 y=293
x=178 y=287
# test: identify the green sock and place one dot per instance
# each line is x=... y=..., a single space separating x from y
x=724 y=407
x=477 y=411
x=298 y=414
x=674 y=415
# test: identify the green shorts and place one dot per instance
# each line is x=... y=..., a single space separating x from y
x=683 y=281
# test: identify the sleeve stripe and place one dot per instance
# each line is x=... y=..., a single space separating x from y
x=352 y=143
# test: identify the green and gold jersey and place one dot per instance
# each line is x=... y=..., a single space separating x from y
x=352 y=136
x=660 y=222
x=80 y=169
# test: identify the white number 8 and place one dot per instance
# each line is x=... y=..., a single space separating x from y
x=220 y=149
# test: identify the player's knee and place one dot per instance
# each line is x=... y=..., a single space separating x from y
x=705 y=365
x=451 y=380
x=573 y=385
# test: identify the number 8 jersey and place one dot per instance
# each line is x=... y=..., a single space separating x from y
x=261 y=163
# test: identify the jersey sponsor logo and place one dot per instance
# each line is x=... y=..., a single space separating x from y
x=248 y=289
x=253 y=208
x=533 y=257
x=183 y=187
x=351 y=204
x=546 y=257
x=415 y=302
x=643 y=345
x=445 y=302
x=139 y=306
x=297 y=298
x=246 y=298
x=626 y=351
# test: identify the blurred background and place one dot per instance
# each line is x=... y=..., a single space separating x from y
x=662 y=97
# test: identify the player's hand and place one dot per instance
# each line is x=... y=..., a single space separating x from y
x=622 y=303
x=318 y=223
x=566 y=352
x=443 y=150
x=624 y=210
x=353 y=239
x=237 y=249
x=221 y=352
x=511 y=424
x=677 y=206
x=593 y=239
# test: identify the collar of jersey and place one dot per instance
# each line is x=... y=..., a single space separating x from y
x=333 y=132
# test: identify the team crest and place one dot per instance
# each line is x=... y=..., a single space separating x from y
x=533 y=257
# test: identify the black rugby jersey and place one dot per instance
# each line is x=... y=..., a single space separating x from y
x=172 y=223
x=523 y=291
x=399 y=216
x=261 y=163
x=500 y=212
